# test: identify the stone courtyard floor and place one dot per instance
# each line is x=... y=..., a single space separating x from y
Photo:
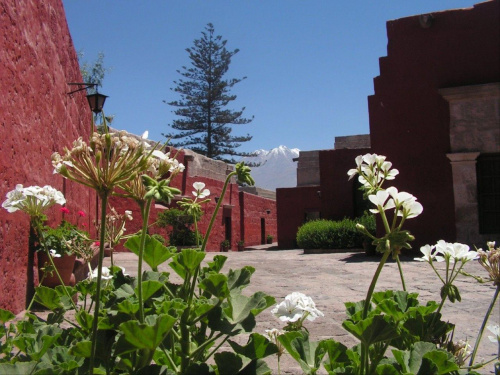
x=332 y=279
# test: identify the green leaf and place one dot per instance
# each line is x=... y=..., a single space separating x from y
x=217 y=263
x=239 y=279
x=337 y=356
x=149 y=288
x=240 y=306
x=147 y=335
x=216 y=285
x=443 y=360
x=186 y=261
x=354 y=310
x=190 y=259
x=308 y=354
x=85 y=320
x=371 y=330
x=257 y=347
x=124 y=291
x=48 y=297
x=81 y=349
x=386 y=369
x=128 y=307
x=229 y=363
x=18 y=368
x=155 y=253
x=5 y=316
x=425 y=358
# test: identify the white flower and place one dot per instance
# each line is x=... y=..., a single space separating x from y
x=200 y=191
x=379 y=199
x=105 y=275
x=456 y=251
x=295 y=306
x=54 y=254
x=389 y=173
x=496 y=331
x=32 y=199
x=287 y=311
x=428 y=255
x=370 y=159
x=128 y=215
x=273 y=333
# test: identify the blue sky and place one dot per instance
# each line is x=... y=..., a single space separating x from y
x=309 y=64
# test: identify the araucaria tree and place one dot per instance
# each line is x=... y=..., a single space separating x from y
x=205 y=122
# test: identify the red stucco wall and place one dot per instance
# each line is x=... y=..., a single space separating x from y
x=409 y=120
x=244 y=210
x=258 y=219
x=292 y=204
x=37 y=117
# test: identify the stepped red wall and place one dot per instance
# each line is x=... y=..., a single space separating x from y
x=37 y=117
x=409 y=119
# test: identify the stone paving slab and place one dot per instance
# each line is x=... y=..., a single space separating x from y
x=332 y=279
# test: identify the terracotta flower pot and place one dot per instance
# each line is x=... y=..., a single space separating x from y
x=64 y=265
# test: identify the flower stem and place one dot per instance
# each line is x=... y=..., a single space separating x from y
x=104 y=203
x=217 y=207
x=145 y=217
x=400 y=268
x=483 y=325
x=365 y=348
x=374 y=279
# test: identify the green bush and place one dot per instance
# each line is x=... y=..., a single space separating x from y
x=327 y=234
x=181 y=233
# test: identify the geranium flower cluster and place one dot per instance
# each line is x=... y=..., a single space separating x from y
x=109 y=159
x=452 y=254
x=295 y=308
x=373 y=171
x=33 y=200
x=490 y=260
x=444 y=251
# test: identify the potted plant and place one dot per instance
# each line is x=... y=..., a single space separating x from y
x=62 y=243
x=225 y=246
x=269 y=239
x=241 y=245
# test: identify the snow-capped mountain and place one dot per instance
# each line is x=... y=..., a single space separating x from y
x=276 y=168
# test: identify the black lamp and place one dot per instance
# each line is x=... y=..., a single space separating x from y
x=96 y=102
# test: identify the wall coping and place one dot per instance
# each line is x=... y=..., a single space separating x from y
x=458 y=157
x=489 y=90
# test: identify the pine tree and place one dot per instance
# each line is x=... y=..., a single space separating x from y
x=206 y=123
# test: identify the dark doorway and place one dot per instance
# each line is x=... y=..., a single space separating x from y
x=262 y=231
x=227 y=224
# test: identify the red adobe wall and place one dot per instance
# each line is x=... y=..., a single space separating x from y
x=333 y=198
x=244 y=210
x=37 y=117
x=292 y=203
x=337 y=191
x=409 y=120
x=258 y=219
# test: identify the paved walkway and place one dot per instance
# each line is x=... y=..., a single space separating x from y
x=332 y=279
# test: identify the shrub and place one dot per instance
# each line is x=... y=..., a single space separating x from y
x=327 y=234
x=180 y=222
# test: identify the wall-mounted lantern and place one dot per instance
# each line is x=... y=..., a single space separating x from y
x=96 y=100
